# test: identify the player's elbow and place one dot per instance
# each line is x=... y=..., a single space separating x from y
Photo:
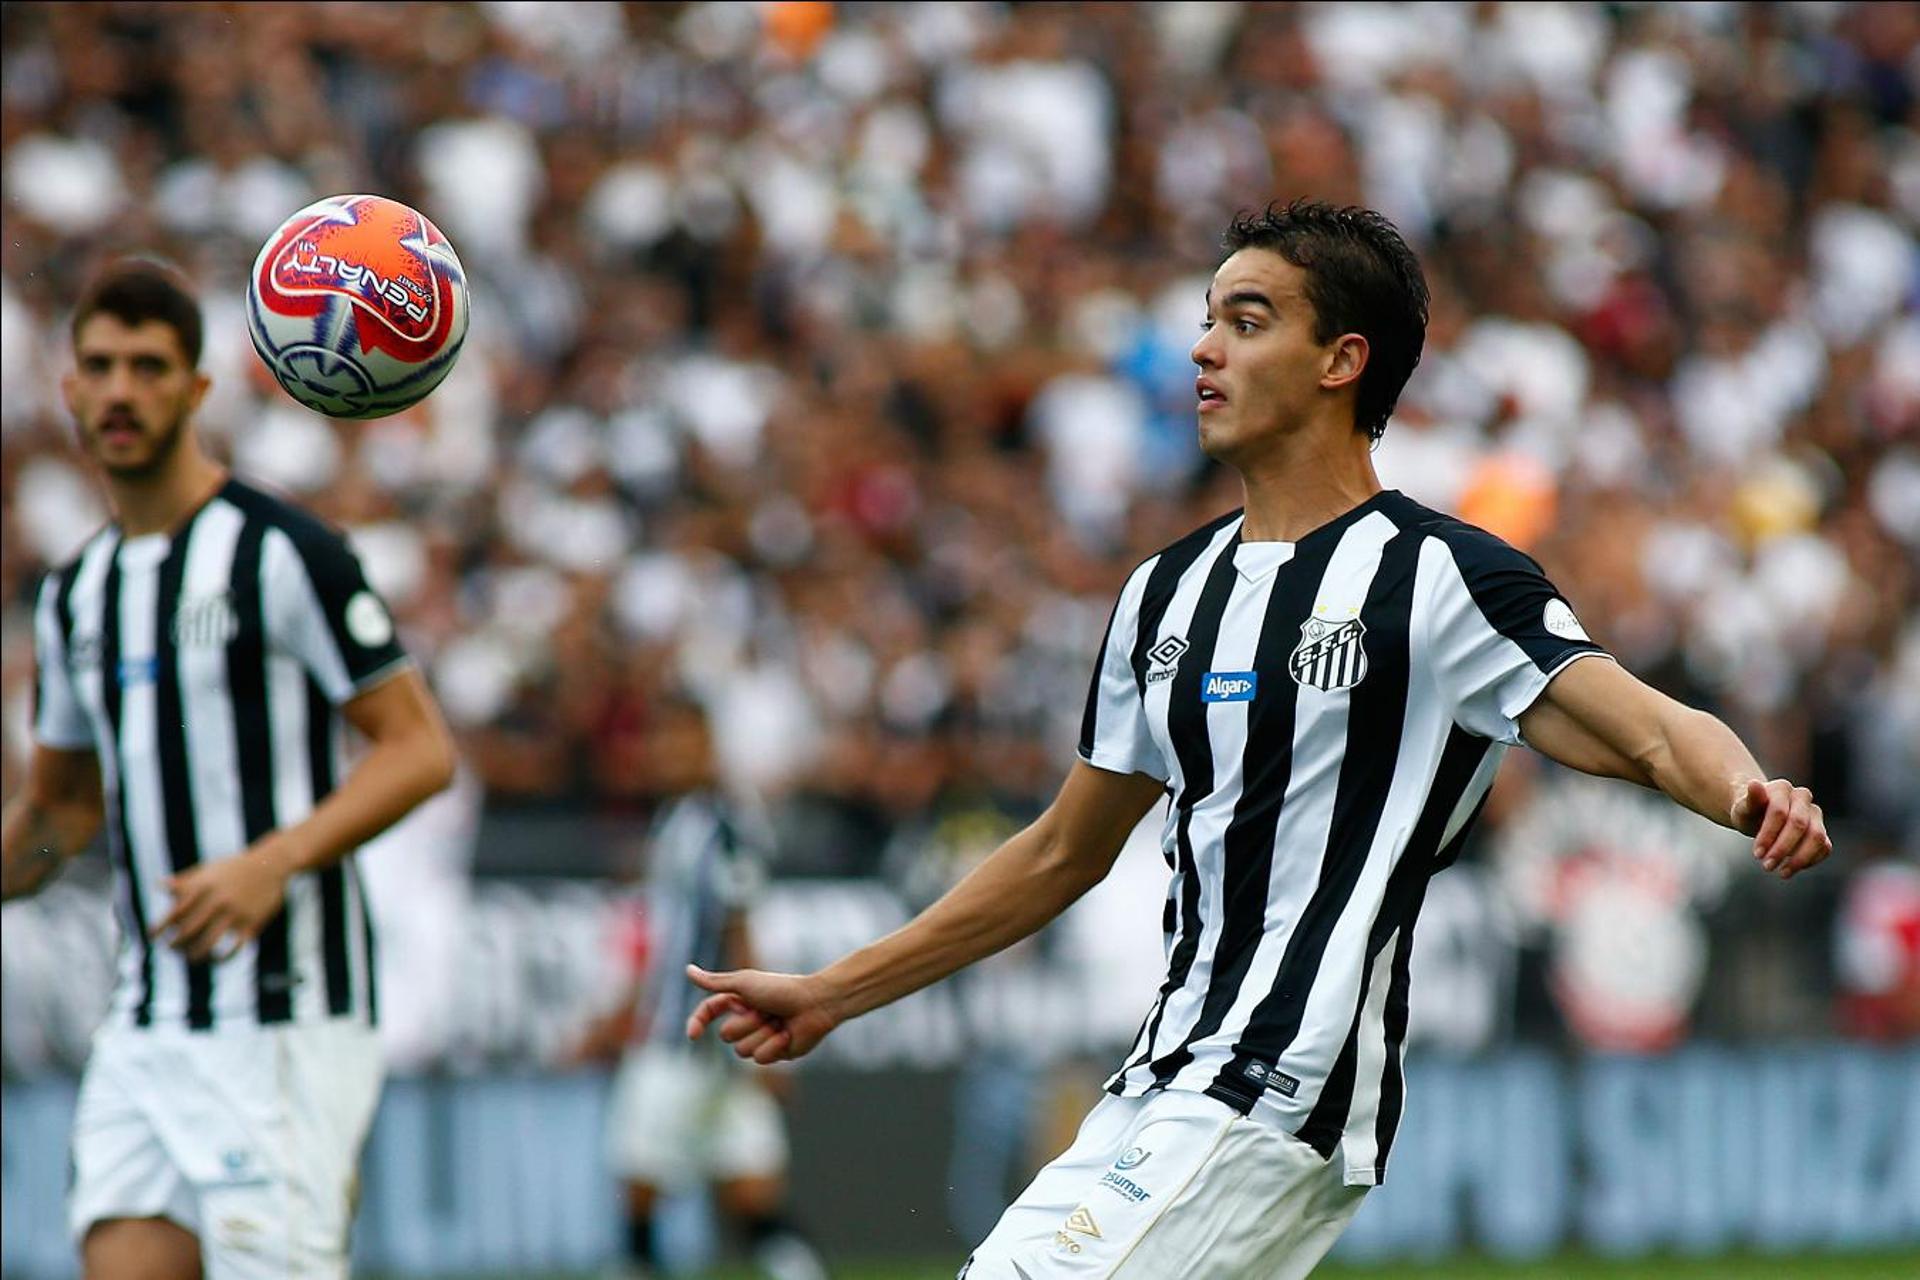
x=438 y=760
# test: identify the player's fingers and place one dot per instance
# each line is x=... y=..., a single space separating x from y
x=1815 y=847
x=751 y=1044
x=198 y=942
x=706 y=1011
x=723 y=982
x=778 y=1046
x=1799 y=814
x=191 y=913
x=743 y=1024
x=1775 y=817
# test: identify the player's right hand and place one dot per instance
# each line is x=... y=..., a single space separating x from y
x=766 y=1017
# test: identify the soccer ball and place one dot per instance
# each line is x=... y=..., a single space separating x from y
x=358 y=305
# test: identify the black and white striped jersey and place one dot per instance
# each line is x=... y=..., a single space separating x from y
x=706 y=863
x=1328 y=715
x=206 y=669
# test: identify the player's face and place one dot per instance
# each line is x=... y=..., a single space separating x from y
x=1261 y=371
x=131 y=392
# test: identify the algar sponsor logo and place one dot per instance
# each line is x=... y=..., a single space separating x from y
x=1229 y=686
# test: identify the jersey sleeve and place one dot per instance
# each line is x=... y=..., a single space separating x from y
x=1497 y=630
x=1114 y=733
x=321 y=610
x=59 y=720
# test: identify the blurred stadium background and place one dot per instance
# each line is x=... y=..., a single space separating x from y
x=831 y=360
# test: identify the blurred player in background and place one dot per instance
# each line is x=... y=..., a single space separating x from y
x=686 y=1115
x=194 y=666
x=1323 y=683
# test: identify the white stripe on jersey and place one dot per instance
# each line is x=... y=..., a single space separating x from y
x=1312 y=801
x=141 y=793
x=212 y=748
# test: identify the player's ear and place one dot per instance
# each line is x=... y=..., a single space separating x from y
x=1346 y=360
x=201 y=382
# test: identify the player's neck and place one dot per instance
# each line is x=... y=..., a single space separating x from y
x=160 y=502
x=1305 y=480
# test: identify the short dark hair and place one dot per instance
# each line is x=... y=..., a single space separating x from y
x=1361 y=278
x=136 y=290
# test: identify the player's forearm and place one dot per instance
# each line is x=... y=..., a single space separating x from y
x=387 y=783
x=35 y=838
x=1025 y=883
x=1699 y=762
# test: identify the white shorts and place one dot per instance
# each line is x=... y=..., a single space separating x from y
x=249 y=1138
x=680 y=1118
x=1172 y=1184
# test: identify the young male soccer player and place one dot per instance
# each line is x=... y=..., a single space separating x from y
x=195 y=664
x=1323 y=684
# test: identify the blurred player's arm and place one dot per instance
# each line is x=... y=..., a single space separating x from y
x=1599 y=718
x=411 y=756
x=55 y=816
x=1025 y=883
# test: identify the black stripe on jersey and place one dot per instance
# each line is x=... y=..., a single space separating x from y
x=366 y=936
x=1247 y=847
x=253 y=743
x=1375 y=717
x=121 y=841
x=1161 y=584
x=1090 y=717
x=333 y=880
x=1399 y=909
x=1512 y=600
x=176 y=776
x=1193 y=745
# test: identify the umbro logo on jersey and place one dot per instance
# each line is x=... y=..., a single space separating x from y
x=1330 y=655
x=1230 y=686
x=1163 y=659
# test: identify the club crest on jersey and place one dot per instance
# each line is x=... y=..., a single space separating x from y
x=1330 y=655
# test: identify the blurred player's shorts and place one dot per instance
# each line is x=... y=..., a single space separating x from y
x=683 y=1117
x=249 y=1137
x=1172 y=1184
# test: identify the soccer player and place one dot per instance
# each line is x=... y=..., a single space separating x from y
x=194 y=666
x=1321 y=685
x=682 y=1116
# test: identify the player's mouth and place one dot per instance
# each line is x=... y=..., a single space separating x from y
x=120 y=428
x=1211 y=397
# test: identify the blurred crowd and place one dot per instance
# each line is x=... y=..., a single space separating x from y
x=830 y=361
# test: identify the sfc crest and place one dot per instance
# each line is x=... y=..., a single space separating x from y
x=1330 y=655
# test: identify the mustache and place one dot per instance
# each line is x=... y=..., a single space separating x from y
x=118 y=416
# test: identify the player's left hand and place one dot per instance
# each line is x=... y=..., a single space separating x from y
x=221 y=906
x=1789 y=831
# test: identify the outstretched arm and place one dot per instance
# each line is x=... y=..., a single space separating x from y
x=1597 y=717
x=53 y=818
x=1026 y=882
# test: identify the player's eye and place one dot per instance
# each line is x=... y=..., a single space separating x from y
x=149 y=366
